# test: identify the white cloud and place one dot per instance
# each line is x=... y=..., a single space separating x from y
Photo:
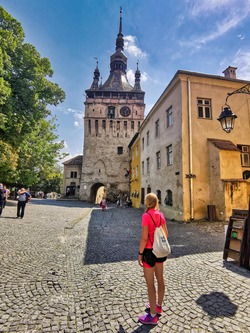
x=228 y=13
x=131 y=77
x=78 y=122
x=198 y=8
x=242 y=62
x=130 y=46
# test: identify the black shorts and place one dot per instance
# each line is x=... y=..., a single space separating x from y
x=150 y=259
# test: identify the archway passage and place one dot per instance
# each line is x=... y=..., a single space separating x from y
x=97 y=192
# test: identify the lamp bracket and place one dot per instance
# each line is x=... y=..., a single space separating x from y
x=190 y=175
x=243 y=90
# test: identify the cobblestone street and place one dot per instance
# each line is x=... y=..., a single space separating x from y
x=68 y=267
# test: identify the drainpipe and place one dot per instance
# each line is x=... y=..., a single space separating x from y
x=190 y=151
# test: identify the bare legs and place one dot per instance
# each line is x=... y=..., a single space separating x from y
x=149 y=274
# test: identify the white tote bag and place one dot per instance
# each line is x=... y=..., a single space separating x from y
x=161 y=247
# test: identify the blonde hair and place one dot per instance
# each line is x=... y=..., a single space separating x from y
x=151 y=201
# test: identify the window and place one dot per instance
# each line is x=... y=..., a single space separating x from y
x=169 y=116
x=118 y=125
x=245 y=155
x=125 y=125
x=158 y=194
x=136 y=171
x=139 y=124
x=73 y=174
x=169 y=198
x=119 y=150
x=158 y=160
x=89 y=126
x=157 y=128
x=111 y=123
x=148 y=165
x=104 y=124
x=169 y=155
x=147 y=138
x=204 y=108
x=246 y=174
x=142 y=167
x=111 y=112
x=142 y=144
x=132 y=125
x=96 y=126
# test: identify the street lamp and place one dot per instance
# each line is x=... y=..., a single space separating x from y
x=227 y=117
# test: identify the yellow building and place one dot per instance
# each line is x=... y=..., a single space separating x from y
x=195 y=167
x=135 y=186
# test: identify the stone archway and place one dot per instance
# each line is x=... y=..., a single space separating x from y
x=96 y=192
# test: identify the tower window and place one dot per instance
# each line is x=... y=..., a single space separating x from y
x=119 y=150
x=104 y=124
x=125 y=125
x=89 y=126
x=132 y=125
x=111 y=112
x=96 y=126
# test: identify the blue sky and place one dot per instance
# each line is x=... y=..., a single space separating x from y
x=162 y=35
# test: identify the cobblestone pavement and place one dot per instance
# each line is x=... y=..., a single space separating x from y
x=68 y=267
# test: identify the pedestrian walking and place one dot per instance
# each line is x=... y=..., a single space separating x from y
x=6 y=195
x=103 y=204
x=23 y=198
x=152 y=266
x=2 y=198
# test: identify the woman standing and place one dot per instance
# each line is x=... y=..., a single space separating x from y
x=152 y=266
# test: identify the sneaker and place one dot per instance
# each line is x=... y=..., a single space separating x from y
x=158 y=308
x=147 y=319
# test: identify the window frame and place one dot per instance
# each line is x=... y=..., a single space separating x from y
x=202 y=108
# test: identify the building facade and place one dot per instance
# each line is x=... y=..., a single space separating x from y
x=135 y=185
x=113 y=113
x=186 y=158
x=71 y=177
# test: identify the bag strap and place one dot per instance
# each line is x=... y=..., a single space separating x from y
x=153 y=220
x=154 y=225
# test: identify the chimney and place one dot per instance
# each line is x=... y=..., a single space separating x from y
x=230 y=72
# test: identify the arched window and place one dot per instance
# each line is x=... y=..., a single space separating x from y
x=169 y=198
x=246 y=174
x=158 y=193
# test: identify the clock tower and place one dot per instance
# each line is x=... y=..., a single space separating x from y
x=114 y=112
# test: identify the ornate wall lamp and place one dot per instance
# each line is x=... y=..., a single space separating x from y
x=227 y=117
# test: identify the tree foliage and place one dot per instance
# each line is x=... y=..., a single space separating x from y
x=28 y=145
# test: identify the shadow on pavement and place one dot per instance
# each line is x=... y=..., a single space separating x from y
x=114 y=236
x=234 y=267
x=217 y=304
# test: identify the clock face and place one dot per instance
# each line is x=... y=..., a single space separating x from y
x=125 y=111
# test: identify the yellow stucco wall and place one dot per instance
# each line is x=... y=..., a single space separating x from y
x=135 y=173
x=198 y=172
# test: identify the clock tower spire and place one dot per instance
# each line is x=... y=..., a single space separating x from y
x=113 y=113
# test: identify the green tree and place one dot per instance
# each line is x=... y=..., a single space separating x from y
x=28 y=144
